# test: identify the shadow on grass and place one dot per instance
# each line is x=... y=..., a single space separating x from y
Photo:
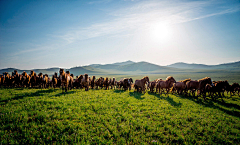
x=137 y=95
x=210 y=103
x=32 y=94
x=119 y=91
x=65 y=93
x=167 y=98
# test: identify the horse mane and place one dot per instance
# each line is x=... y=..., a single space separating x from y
x=106 y=79
x=204 y=79
x=86 y=77
x=169 y=78
x=185 y=81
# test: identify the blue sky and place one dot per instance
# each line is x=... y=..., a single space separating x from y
x=44 y=34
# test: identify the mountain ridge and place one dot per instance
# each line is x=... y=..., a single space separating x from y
x=127 y=67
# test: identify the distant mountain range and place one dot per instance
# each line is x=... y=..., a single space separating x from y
x=182 y=65
x=130 y=67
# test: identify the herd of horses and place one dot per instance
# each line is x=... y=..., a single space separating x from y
x=66 y=80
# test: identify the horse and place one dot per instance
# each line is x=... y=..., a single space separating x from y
x=141 y=84
x=233 y=88
x=17 y=78
x=106 y=83
x=1 y=80
x=125 y=83
x=192 y=86
x=65 y=78
x=221 y=86
x=99 y=83
x=202 y=85
x=54 y=80
x=40 y=79
x=152 y=85
x=113 y=83
x=33 y=79
x=85 y=82
x=167 y=84
x=93 y=82
x=180 y=86
x=45 y=81
x=25 y=79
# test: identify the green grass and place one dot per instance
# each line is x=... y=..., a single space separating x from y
x=35 y=116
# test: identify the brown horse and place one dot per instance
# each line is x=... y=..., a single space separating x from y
x=152 y=85
x=54 y=80
x=85 y=82
x=45 y=81
x=113 y=83
x=99 y=83
x=1 y=80
x=93 y=82
x=65 y=78
x=17 y=78
x=192 y=86
x=233 y=89
x=180 y=86
x=220 y=87
x=40 y=80
x=202 y=84
x=167 y=84
x=33 y=79
x=25 y=79
x=106 y=83
x=125 y=83
x=140 y=84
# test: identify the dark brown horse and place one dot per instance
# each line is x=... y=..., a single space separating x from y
x=152 y=85
x=233 y=89
x=220 y=87
x=93 y=82
x=192 y=86
x=33 y=79
x=17 y=78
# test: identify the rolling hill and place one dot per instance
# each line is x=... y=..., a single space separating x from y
x=130 y=67
x=182 y=65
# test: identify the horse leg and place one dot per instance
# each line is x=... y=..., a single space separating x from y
x=66 y=87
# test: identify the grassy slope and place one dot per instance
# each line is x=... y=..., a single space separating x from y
x=106 y=116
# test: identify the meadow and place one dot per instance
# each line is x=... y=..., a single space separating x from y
x=46 y=116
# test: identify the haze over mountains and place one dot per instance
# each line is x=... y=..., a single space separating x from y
x=130 y=67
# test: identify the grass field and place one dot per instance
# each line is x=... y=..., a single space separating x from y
x=33 y=116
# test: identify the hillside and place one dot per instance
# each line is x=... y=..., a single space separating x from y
x=130 y=67
x=227 y=66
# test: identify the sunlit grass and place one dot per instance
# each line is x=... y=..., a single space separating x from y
x=33 y=116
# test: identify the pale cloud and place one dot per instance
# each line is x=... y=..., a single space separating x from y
x=139 y=16
x=135 y=18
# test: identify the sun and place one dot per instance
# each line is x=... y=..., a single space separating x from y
x=160 y=32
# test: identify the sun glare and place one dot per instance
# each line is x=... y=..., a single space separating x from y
x=160 y=32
